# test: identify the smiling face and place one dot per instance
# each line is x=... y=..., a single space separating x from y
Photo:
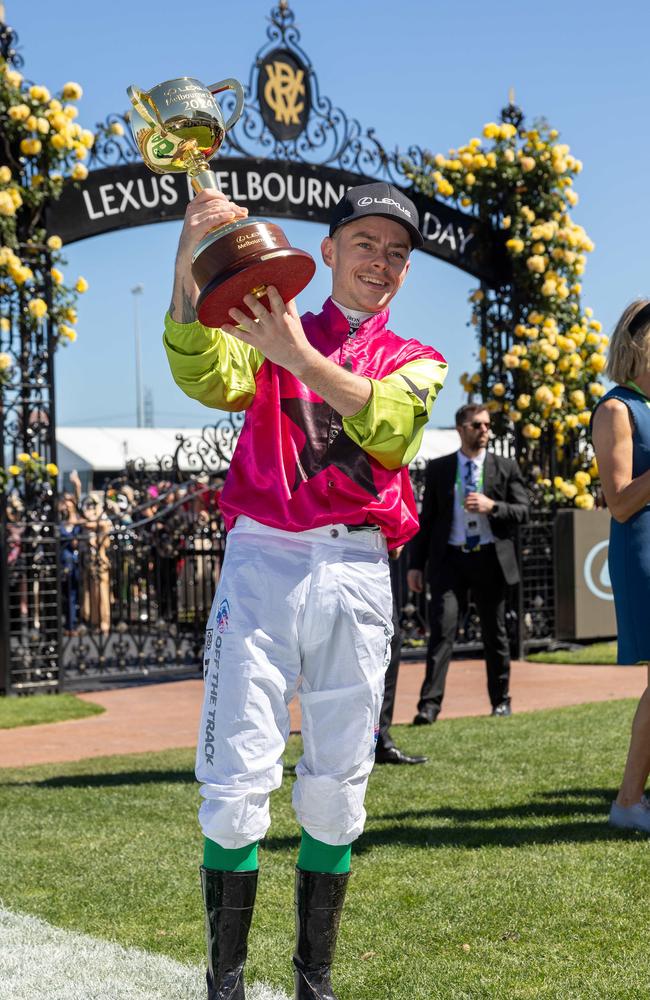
x=369 y=258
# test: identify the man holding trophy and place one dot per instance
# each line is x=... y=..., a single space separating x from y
x=317 y=493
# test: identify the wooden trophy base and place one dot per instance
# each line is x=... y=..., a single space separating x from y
x=245 y=258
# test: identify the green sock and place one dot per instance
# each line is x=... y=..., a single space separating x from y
x=315 y=856
x=226 y=859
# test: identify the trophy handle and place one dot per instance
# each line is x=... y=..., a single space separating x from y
x=138 y=98
x=235 y=85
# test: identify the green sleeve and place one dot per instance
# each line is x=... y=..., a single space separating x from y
x=390 y=426
x=210 y=365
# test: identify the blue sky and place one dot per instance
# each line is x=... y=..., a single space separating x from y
x=418 y=72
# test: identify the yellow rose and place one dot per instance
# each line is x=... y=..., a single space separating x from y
x=55 y=242
x=491 y=130
x=39 y=94
x=509 y=155
x=536 y=263
x=37 y=308
x=584 y=418
x=72 y=92
x=13 y=77
x=596 y=389
x=81 y=285
x=23 y=457
x=569 y=490
x=67 y=332
x=31 y=147
x=577 y=397
x=19 y=113
x=532 y=432
x=549 y=287
x=13 y=470
x=585 y=501
x=597 y=362
x=498 y=389
x=523 y=401
x=549 y=368
x=507 y=131
x=558 y=482
x=571 y=421
x=511 y=361
x=544 y=395
x=582 y=479
x=7 y=207
x=515 y=245
x=79 y=172
x=5 y=362
x=57 y=276
x=5 y=175
x=52 y=469
x=116 y=129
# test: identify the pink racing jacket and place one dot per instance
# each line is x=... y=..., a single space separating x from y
x=298 y=464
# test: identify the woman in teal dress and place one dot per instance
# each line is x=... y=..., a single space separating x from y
x=621 y=437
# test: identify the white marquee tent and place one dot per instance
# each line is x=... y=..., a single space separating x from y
x=102 y=451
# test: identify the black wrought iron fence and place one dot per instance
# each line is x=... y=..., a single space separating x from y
x=117 y=585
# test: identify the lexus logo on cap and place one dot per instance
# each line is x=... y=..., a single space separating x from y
x=364 y=202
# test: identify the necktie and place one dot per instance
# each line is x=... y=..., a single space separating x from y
x=472 y=532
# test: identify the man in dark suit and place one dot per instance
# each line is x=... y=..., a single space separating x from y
x=473 y=502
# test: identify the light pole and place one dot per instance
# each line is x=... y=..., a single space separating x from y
x=136 y=291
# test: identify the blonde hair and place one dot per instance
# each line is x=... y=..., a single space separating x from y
x=629 y=355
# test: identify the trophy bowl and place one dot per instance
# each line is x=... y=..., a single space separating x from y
x=178 y=126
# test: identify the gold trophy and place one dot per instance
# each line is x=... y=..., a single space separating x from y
x=178 y=127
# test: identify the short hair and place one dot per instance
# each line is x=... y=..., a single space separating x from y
x=629 y=353
x=469 y=410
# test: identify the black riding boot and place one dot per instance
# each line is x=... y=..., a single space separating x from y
x=319 y=903
x=228 y=898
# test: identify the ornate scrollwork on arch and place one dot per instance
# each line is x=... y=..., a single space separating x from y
x=330 y=136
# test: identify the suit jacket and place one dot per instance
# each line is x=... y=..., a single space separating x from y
x=502 y=482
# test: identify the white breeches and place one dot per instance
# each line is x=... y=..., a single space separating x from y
x=306 y=611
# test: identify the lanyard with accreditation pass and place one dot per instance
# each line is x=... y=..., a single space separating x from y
x=632 y=385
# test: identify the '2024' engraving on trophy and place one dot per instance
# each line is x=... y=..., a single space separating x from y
x=283 y=89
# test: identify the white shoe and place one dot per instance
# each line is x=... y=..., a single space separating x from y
x=636 y=817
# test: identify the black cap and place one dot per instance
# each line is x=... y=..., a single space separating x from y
x=378 y=199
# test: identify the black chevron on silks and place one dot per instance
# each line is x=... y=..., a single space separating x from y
x=326 y=444
x=422 y=394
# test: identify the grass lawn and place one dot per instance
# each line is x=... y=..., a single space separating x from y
x=490 y=872
x=598 y=652
x=32 y=710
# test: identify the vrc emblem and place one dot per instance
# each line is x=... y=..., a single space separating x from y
x=284 y=94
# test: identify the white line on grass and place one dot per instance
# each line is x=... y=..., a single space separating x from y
x=42 y=962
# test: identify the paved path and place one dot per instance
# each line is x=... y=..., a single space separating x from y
x=164 y=716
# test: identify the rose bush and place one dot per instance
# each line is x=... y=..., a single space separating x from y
x=542 y=387
x=41 y=146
